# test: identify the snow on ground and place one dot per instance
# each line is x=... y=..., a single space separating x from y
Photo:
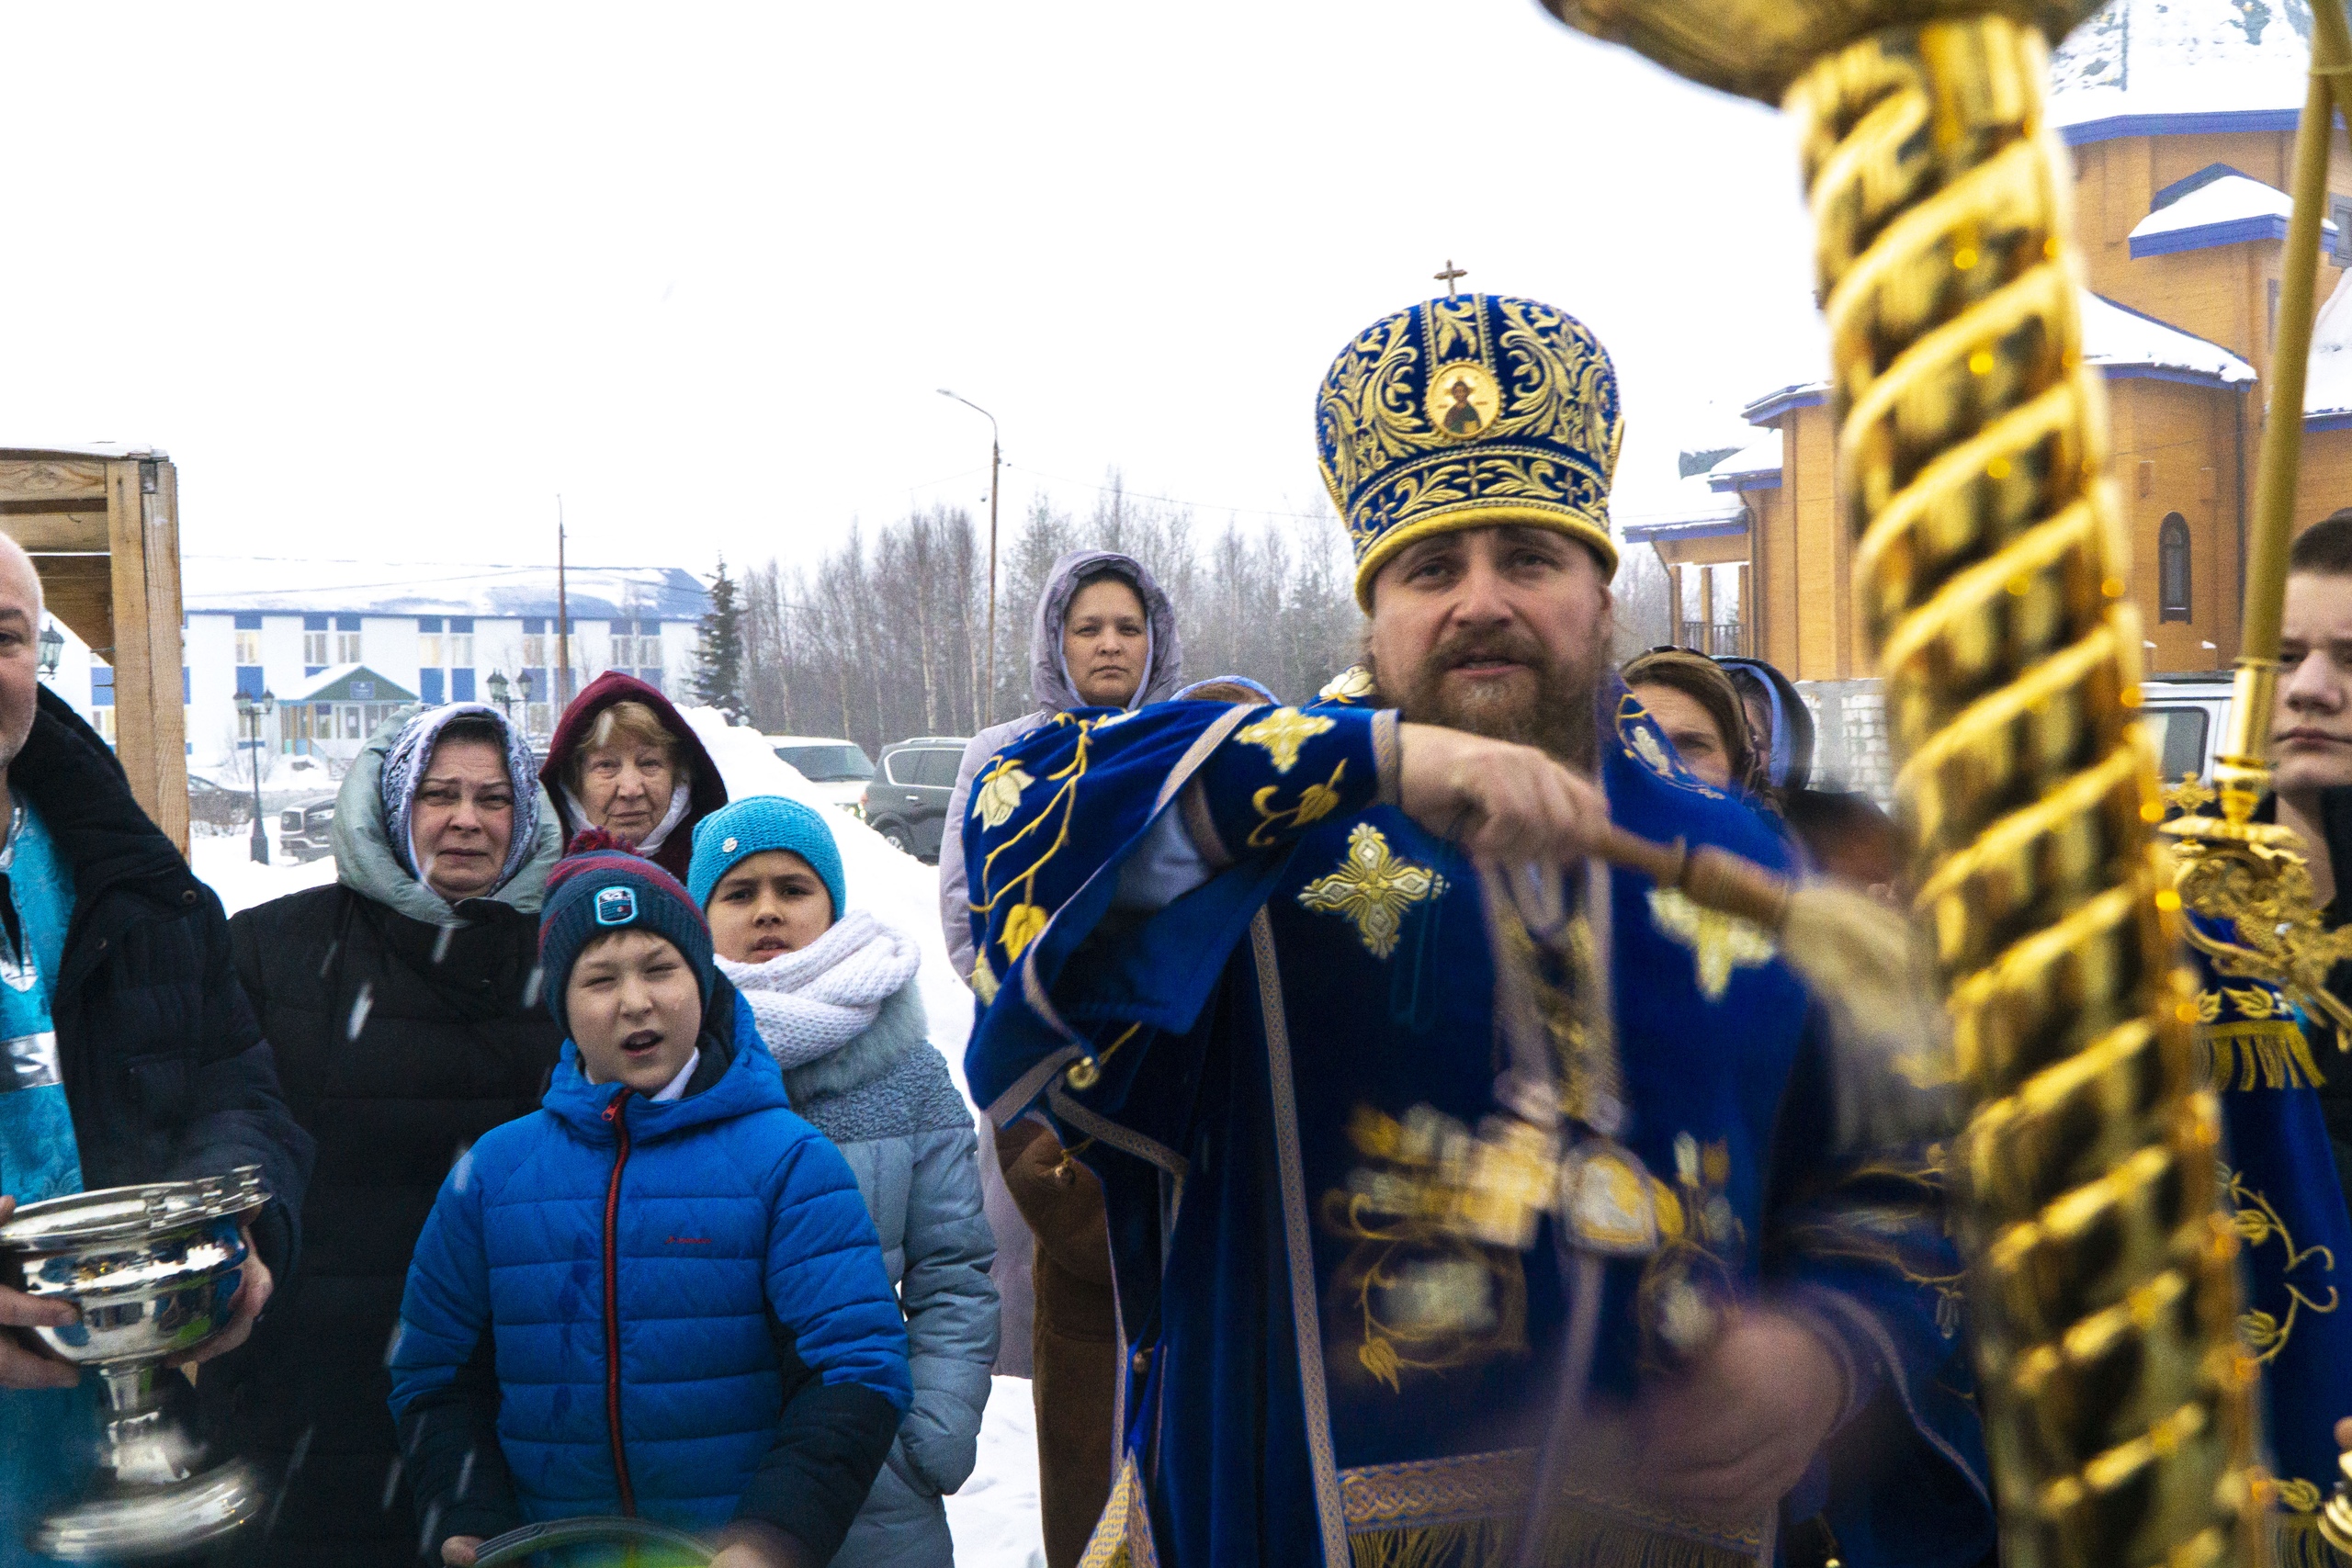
x=994 y=1517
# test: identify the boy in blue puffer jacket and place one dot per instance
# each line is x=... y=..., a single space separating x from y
x=659 y=1294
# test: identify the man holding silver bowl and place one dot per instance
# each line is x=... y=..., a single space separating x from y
x=128 y=1055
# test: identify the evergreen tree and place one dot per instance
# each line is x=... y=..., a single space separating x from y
x=718 y=660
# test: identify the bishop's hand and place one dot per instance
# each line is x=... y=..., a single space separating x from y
x=1497 y=799
x=1734 y=1434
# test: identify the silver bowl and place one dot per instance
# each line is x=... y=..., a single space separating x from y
x=152 y=1270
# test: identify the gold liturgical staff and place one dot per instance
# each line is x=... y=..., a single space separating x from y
x=1990 y=565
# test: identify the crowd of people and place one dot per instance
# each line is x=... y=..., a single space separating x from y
x=614 y=1172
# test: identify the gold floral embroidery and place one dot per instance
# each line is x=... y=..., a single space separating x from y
x=2257 y=1221
x=1721 y=943
x=1282 y=733
x=1350 y=685
x=1315 y=802
x=1022 y=927
x=2209 y=1005
x=1000 y=792
x=1023 y=881
x=2254 y=1002
x=1372 y=888
x=2301 y=1496
x=983 y=979
x=1437 y=1216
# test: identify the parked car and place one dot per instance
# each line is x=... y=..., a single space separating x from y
x=839 y=769
x=907 y=799
x=303 y=829
x=2187 y=716
x=216 y=806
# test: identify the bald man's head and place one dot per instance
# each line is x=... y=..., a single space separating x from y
x=18 y=579
x=20 y=609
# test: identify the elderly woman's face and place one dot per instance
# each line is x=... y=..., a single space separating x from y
x=625 y=788
x=462 y=819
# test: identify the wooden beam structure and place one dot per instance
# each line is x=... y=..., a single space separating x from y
x=102 y=525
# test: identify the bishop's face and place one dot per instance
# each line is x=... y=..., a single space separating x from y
x=1500 y=631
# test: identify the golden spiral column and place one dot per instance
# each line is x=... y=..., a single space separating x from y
x=1990 y=567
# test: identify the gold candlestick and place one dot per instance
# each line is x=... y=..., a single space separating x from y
x=1990 y=567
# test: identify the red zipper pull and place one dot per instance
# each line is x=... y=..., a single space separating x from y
x=612 y=1110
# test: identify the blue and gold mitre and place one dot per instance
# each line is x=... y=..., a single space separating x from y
x=1465 y=413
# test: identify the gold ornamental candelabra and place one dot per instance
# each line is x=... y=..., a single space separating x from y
x=1991 y=565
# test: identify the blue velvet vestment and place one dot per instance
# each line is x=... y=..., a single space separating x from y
x=1248 y=1050
x=2280 y=1187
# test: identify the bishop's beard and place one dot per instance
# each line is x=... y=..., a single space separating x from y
x=1555 y=714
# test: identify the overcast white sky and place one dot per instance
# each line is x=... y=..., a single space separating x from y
x=385 y=279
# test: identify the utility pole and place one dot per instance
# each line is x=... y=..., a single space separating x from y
x=562 y=621
x=996 y=466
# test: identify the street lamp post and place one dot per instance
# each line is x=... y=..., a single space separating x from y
x=996 y=462
x=253 y=710
x=526 y=704
x=48 y=647
x=501 y=694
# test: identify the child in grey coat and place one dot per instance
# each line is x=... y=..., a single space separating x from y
x=836 y=999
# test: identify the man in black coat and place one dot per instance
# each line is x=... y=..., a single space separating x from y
x=164 y=1070
x=403 y=1005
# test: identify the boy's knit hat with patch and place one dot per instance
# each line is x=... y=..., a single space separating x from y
x=744 y=827
x=601 y=886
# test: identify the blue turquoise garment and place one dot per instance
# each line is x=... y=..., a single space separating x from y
x=2280 y=1189
x=38 y=1155
x=39 y=1159
x=1252 y=1052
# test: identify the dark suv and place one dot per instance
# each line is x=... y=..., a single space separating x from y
x=303 y=830
x=906 y=801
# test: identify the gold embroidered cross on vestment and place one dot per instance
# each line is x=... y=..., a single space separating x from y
x=1372 y=888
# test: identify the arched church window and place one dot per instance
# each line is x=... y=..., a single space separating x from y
x=2172 y=568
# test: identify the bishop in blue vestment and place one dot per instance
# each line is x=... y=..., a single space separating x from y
x=1452 y=1196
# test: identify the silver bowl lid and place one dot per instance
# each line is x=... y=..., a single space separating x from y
x=122 y=1213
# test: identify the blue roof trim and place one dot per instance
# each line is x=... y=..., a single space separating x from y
x=1788 y=399
x=2339 y=419
x=2198 y=181
x=1649 y=533
x=1757 y=478
x=2205 y=236
x=2115 y=128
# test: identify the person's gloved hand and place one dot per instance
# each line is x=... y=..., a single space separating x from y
x=23 y=1363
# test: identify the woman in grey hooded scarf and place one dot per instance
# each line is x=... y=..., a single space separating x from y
x=1105 y=638
x=402 y=1004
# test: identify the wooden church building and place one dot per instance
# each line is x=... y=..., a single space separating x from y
x=2181 y=115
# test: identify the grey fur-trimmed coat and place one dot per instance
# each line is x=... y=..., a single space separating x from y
x=886 y=1101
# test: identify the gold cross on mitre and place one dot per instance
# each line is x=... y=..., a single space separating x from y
x=1448 y=274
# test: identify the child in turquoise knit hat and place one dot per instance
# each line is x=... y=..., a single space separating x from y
x=837 y=999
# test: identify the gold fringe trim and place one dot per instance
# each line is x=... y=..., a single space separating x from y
x=1572 y=1541
x=2271 y=1054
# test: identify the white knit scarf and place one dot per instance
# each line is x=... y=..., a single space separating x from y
x=813 y=1002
